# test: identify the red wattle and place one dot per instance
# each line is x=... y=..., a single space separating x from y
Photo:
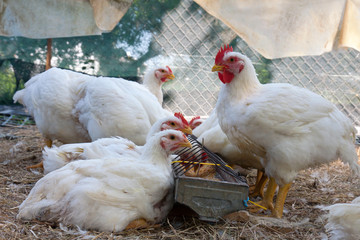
x=227 y=77
x=221 y=77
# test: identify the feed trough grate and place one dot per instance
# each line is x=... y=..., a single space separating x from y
x=206 y=184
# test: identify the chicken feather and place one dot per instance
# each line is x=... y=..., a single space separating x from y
x=297 y=128
x=107 y=194
x=57 y=157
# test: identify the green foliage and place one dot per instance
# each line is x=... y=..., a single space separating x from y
x=261 y=67
x=262 y=70
x=109 y=50
x=7 y=84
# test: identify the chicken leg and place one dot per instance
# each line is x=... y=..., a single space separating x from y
x=259 y=174
x=140 y=223
x=48 y=143
x=258 y=188
x=267 y=201
x=277 y=212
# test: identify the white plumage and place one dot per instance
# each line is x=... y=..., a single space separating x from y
x=56 y=157
x=107 y=194
x=211 y=135
x=111 y=107
x=344 y=220
x=50 y=98
x=289 y=127
x=74 y=107
x=155 y=78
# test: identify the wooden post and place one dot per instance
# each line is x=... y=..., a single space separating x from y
x=48 y=54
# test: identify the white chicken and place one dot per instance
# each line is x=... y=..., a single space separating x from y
x=109 y=107
x=108 y=195
x=52 y=96
x=155 y=78
x=211 y=135
x=195 y=122
x=290 y=128
x=56 y=157
x=344 y=220
x=74 y=107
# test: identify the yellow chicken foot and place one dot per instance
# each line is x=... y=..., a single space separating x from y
x=38 y=165
x=277 y=212
x=48 y=143
x=259 y=186
x=268 y=198
x=140 y=223
x=258 y=177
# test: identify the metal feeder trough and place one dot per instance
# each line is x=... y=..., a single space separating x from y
x=210 y=199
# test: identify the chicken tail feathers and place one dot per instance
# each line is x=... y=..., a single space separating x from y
x=348 y=155
x=19 y=96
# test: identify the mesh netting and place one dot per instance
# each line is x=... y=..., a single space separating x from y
x=182 y=35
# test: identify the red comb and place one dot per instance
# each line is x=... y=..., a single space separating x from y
x=181 y=117
x=193 y=119
x=221 y=53
x=169 y=69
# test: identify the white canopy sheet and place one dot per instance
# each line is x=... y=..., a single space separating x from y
x=60 y=18
x=284 y=28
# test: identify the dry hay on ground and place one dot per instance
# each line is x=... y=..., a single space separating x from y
x=303 y=218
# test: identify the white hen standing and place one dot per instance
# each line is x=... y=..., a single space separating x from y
x=116 y=107
x=57 y=157
x=291 y=128
x=50 y=98
x=211 y=135
x=108 y=195
x=155 y=78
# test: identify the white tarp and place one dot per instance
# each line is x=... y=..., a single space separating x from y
x=60 y=18
x=284 y=28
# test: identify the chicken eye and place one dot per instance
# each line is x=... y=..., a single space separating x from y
x=231 y=59
x=172 y=124
x=162 y=70
x=172 y=137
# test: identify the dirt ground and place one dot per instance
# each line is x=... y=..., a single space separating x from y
x=303 y=217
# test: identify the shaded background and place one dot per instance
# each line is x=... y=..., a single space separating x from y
x=184 y=36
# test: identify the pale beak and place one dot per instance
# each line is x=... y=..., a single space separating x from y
x=170 y=76
x=187 y=130
x=217 y=68
x=185 y=144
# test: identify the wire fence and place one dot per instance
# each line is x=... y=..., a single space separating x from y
x=190 y=38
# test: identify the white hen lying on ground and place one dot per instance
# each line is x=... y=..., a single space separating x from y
x=57 y=157
x=290 y=128
x=344 y=220
x=108 y=195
